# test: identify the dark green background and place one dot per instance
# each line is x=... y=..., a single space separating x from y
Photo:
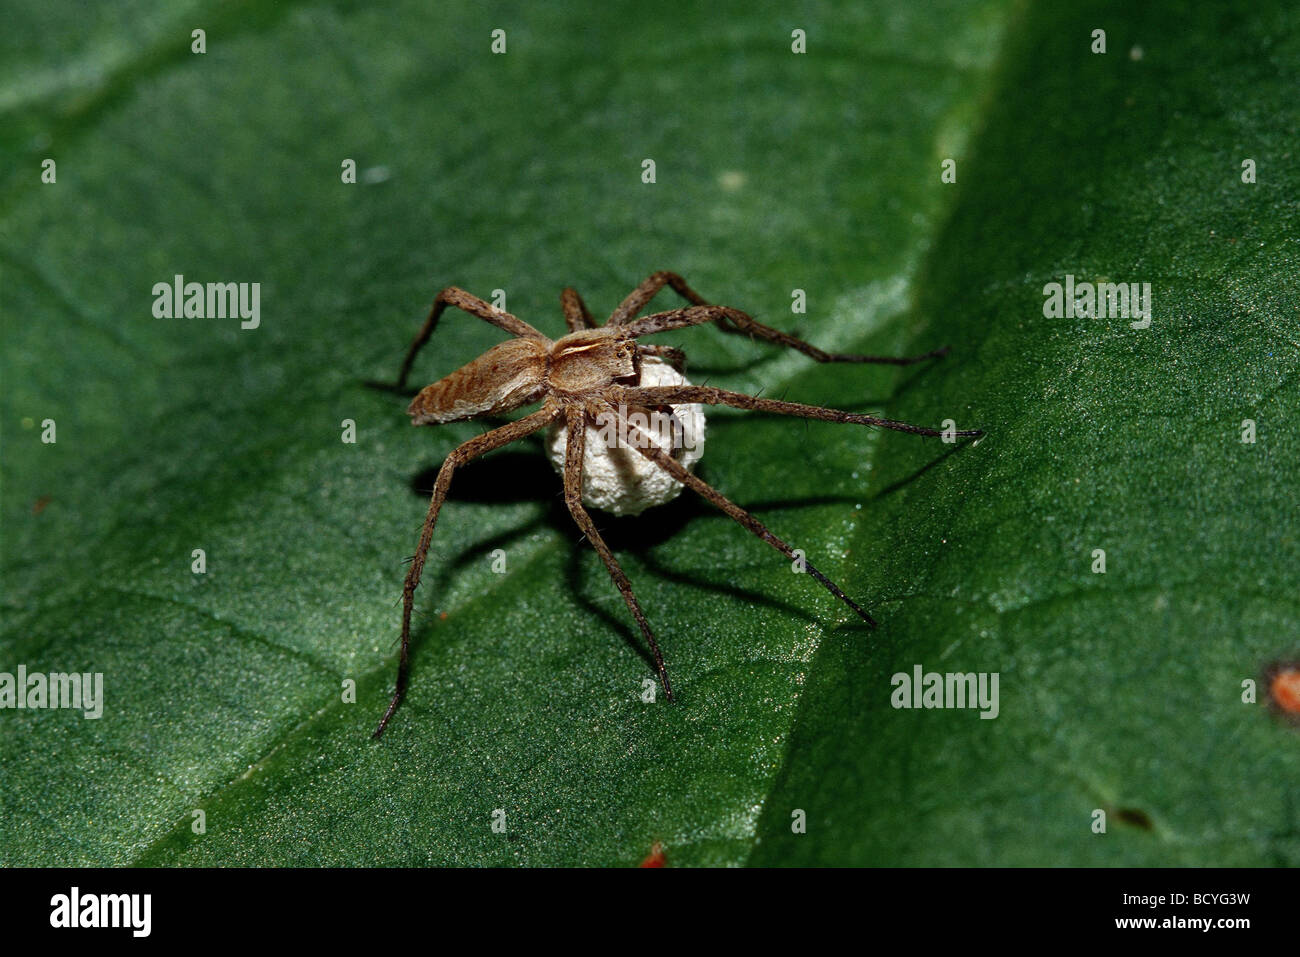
x=774 y=172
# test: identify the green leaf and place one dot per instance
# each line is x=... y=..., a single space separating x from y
x=775 y=171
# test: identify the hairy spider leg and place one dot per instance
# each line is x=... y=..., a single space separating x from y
x=472 y=449
x=741 y=323
x=677 y=394
x=646 y=447
x=576 y=314
x=576 y=420
x=452 y=296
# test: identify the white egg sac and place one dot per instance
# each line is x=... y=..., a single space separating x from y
x=620 y=480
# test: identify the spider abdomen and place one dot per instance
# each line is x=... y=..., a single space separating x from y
x=510 y=374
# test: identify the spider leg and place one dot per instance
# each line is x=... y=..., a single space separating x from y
x=576 y=422
x=639 y=297
x=646 y=447
x=744 y=325
x=459 y=456
x=678 y=319
x=674 y=395
x=452 y=296
x=576 y=314
x=741 y=323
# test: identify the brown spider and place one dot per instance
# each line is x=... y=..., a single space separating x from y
x=595 y=371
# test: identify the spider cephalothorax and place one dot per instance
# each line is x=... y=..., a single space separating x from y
x=594 y=374
x=590 y=359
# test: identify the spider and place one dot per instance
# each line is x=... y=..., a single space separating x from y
x=592 y=373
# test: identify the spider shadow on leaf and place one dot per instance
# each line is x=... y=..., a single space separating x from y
x=512 y=477
x=911 y=477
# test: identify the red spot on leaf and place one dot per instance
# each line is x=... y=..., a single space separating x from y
x=1284 y=689
x=656 y=857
